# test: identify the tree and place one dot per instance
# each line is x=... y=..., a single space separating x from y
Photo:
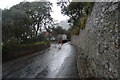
x=24 y=21
x=76 y=11
x=15 y=25
x=38 y=13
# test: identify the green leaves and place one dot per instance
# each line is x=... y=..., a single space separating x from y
x=76 y=11
x=24 y=21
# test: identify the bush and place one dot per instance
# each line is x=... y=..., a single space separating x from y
x=10 y=46
x=83 y=22
x=76 y=31
x=13 y=49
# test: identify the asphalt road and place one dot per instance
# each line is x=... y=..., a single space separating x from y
x=56 y=62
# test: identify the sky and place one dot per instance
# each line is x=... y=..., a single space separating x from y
x=56 y=14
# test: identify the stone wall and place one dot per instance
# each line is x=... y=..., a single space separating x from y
x=97 y=44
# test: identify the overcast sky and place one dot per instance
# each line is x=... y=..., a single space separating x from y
x=56 y=9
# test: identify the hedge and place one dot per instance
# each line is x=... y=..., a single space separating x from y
x=15 y=50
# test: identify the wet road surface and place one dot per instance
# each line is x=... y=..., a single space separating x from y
x=55 y=62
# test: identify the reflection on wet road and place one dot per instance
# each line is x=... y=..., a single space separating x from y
x=54 y=62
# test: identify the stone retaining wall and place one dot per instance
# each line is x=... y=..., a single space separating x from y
x=97 y=44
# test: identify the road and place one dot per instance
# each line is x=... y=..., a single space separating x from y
x=54 y=62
